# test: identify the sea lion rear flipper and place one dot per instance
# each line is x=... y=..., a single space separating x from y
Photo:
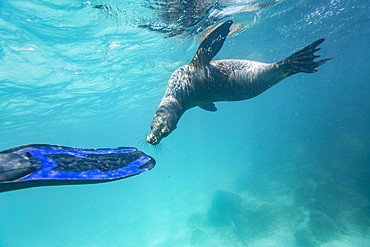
x=303 y=60
x=209 y=107
x=211 y=45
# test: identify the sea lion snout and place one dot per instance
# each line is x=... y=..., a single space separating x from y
x=152 y=139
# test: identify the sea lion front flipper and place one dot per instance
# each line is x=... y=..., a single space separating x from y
x=209 y=107
x=233 y=29
x=211 y=45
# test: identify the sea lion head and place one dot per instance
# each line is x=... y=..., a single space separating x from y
x=161 y=126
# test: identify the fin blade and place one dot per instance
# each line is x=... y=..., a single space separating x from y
x=212 y=44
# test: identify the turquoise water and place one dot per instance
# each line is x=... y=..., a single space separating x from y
x=287 y=168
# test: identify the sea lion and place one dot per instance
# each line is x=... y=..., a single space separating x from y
x=203 y=82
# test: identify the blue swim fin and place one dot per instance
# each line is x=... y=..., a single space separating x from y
x=43 y=165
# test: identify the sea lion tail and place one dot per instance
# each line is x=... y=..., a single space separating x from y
x=303 y=60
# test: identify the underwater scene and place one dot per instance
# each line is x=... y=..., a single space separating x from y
x=287 y=168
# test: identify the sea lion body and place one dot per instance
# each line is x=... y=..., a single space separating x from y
x=241 y=79
x=222 y=80
x=203 y=82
